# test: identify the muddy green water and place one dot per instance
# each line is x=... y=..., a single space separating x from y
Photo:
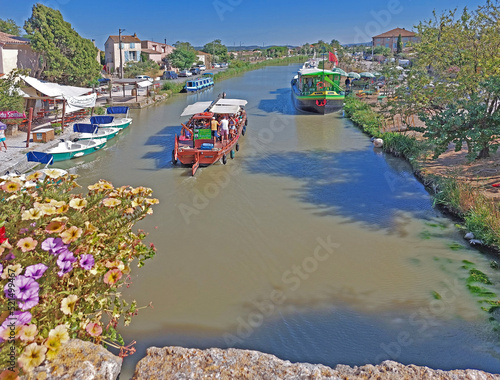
x=310 y=244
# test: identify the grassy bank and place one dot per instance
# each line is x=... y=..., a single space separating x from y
x=479 y=214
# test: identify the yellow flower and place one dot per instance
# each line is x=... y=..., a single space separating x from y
x=89 y=227
x=112 y=276
x=62 y=219
x=53 y=343
x=47 y=209
x=54 y=173
x=34 y=176
x=152 y=201
x=111 y=202
x=95 y=186
x=71 y=234
x=60 y=333
x=11 y=187
x=129 y=210
x=54 y=227
x=32 y=356
x=149 y=212
x=68 y=304
x=27 y=244
x=32 y=213
x=5 y=334
x=9 y=269
x=28 y=333
x=137 y=201
x=57 y=204
x=78 y=203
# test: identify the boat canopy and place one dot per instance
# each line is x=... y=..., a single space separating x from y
x=85 y=128
x=144 y=83
x=314 y=72
x=195 y=108
x=116 y=110
x=101 y=119
x=231 y=102
x=43 y=158
x=225 y=109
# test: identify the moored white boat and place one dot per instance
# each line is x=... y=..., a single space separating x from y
x=89 y=132
x=108 y=121
x=66 y=150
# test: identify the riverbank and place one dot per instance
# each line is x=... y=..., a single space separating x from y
x=461 y=187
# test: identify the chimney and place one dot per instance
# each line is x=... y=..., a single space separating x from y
x=135 y=35
x=93 y=41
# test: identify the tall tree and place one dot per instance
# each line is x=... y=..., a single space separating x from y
x=183 y=56
x=217 y=49
x=9 y=26
x=65 y=57
x=399 y=44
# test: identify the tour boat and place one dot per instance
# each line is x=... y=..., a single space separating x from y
x=108 y=121
x=66 y=150
x=92 y=131
x=195 y=145
x=205 y=81
x=318 y=91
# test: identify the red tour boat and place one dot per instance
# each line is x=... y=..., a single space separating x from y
x=195 y=146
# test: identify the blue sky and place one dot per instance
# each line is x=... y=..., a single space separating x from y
x=249 y=22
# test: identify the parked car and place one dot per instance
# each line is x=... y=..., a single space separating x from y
x=216 y=65
x=195 y=70
x=169 y=75
x=223 y=65
x=185 y=73
x=202 y=67
x=145 y=77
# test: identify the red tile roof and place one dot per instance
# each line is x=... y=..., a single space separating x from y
x=11 y=39
x=396 y=32
x=151 y=51
x=125 y=39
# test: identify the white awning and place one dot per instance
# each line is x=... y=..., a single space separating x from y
x=195 y=108
x=85 y=101
x=225 y=109
x=231 y=102
x=54 y=89
x=144 y=83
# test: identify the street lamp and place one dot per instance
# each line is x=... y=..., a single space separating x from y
x=120 y=45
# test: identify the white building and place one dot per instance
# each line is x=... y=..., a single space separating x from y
x=16 y=52
x=131 y=51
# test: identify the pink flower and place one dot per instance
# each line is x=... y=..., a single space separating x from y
x=112 y=276
x=27 y=244
x=94 y=329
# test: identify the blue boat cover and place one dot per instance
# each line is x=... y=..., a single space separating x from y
x=101 y=119
x=206 y=146
x=85 y=128
x=115 y=110
x=43 y=158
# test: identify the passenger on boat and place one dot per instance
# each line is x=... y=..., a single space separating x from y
x=232 y=127
x=224 y=126
x=213 y=125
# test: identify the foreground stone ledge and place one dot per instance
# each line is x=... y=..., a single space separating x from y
x=81 y=361
x=214 y=363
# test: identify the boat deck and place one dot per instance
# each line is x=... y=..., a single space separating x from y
x=188 y=144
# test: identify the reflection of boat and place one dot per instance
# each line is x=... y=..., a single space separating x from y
x=89 y=132
x=318 y=91
x=205 y=81
x=66 y=150
x=108 y=121
x=195 y=145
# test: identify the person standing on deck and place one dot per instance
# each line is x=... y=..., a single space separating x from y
x=213 y=125
x=2 y=139
x=224 y=126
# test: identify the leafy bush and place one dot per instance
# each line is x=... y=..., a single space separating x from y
x=99 y=110
x=63 y=259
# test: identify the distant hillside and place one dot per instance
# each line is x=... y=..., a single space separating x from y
x=247 y=47
x=359 y=44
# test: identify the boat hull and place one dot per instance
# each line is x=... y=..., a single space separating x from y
x=108 y=134
x=320 y=104
x=64 y=152
x=121 y=123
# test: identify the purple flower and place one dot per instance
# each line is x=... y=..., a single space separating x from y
x=25 y=287
x=52 y=245
x=10 y=256
x=35 y=271
x=30 y=300
x=87 y=261
x=23 y=231
x=65 y=266
x=22 y=317
x=65 y=262
x=1 y=268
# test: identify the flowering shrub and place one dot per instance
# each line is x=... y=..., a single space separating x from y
x=63 y=258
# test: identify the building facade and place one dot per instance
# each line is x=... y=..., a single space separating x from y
x=131 y=51
x=390 y=39
x=156 y=50
x=16 y=53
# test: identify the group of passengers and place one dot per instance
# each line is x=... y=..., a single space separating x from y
x=223 y=126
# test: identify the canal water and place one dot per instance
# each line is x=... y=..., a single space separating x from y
x=310 y=245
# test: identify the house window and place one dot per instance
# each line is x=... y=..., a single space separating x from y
x=133 y=56
x=122 y=45
x=154 y=47
x=132 y=45
x=163 y=49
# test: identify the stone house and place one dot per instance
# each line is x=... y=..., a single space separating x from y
x=156 y=50
x=390 y=39
x=131 y=51
x=16 y=52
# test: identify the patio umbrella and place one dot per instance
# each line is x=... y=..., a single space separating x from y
x=354 y=75
x=367 y=75
x=339 y=71
x=3 y=127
